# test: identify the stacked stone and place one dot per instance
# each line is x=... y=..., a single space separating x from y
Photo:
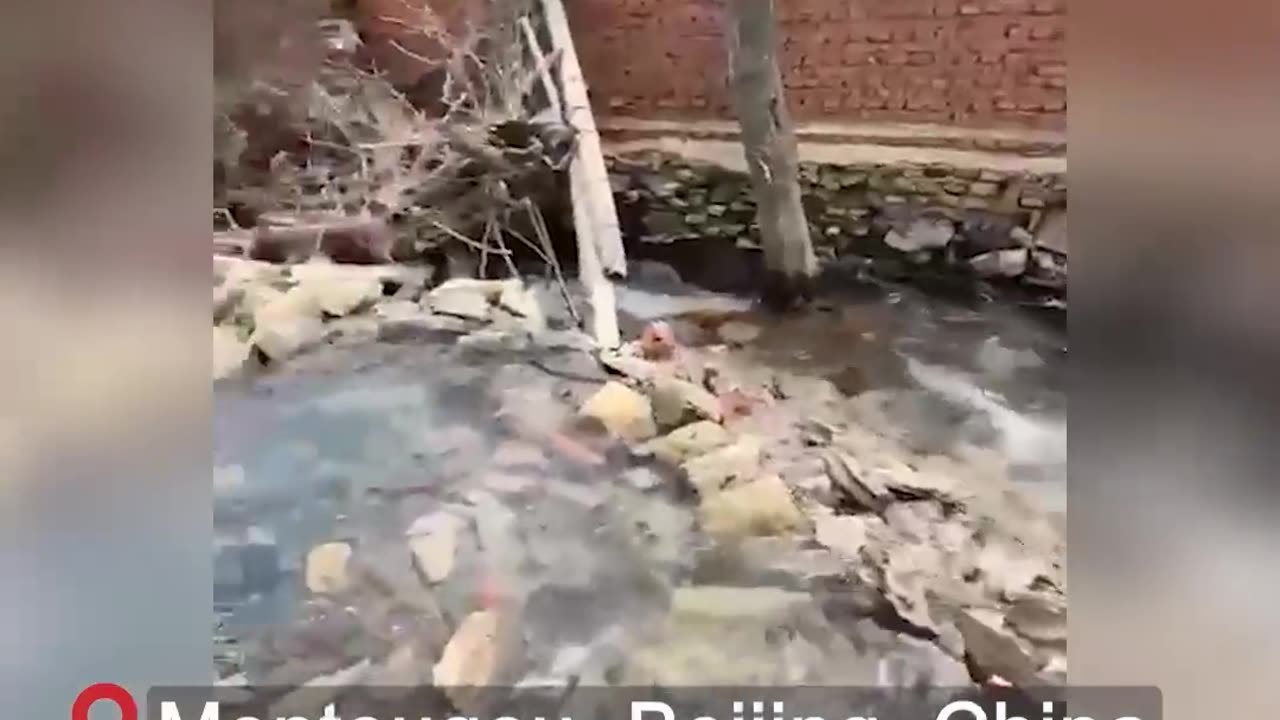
x=983 y=222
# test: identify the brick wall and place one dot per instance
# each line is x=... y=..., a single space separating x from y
x=971 y=63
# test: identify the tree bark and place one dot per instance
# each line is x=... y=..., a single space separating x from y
x=769 y=141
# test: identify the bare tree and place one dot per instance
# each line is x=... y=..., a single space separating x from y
x=768 y=137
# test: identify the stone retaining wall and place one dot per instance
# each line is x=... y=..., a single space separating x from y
x=901 y=219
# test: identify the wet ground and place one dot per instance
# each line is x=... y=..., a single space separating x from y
x=359 y=444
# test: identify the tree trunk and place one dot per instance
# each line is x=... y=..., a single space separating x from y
x=768 y=137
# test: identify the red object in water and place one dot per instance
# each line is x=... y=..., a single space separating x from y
x=658 y=342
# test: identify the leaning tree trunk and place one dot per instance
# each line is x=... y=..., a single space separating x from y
x=768 y=138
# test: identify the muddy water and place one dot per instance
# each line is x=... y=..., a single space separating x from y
x=356 y=445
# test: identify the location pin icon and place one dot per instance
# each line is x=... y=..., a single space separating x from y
x=104 y=691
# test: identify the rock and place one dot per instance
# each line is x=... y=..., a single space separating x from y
x=719 y=468
x=337 y=297
x=1000 y=263
x=687 y=442
x=286 y=325
x=760 y=507
x=1052 y=233
x=1039 y=619
x=326 y=568
x=736 y=332
x=229 y=352
x=624 y=412
x=433 y=541
x=471 y=658
x=845 y=534
x=677 y=402
x=994 y=650
x=523 y=303
x=847 y=475
x=466 y=299
x=633 y=367
x=921 y=234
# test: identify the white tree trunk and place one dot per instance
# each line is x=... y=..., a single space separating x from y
x=595 y=216
x=768 y=138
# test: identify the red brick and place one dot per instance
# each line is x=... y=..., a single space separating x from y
x=666 y=58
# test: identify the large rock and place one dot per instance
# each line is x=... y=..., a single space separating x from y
x=688 y=442
x=229 y=352
x=335 y=289
x=679 y=402
x=326 y=568
x=763 y=506
x=475 y=660
x=285 y=325
x=622 y=411
x=994 y=649
x=719 y=468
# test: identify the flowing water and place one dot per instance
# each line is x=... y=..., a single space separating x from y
x=358 y=444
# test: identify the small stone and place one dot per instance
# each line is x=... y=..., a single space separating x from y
x=523 y=303
x=688 y=442
x=678 y=402
x=466 y=299
x=984 y=189
x=326 y=568
x=433 y=553
x=763 y=506
x=922 y=234
x=1000 y=263
x=624 y=412
x=1021 y=236
x=719 y=468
